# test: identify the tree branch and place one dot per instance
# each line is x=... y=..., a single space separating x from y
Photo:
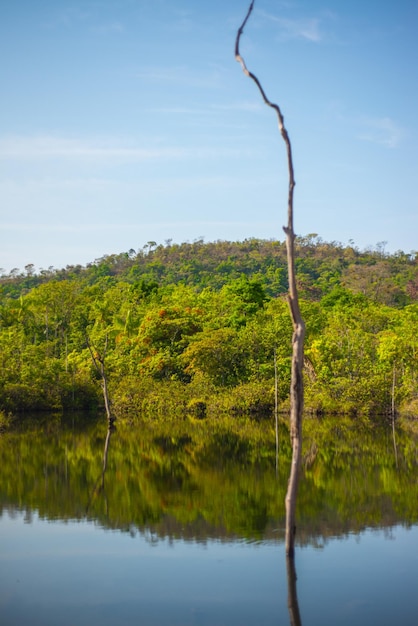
x=296 y=387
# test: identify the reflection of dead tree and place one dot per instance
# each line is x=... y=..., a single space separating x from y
x=393 y=414
x=99 y=363
x=292 y=596
x=105 y=452
x=276 y=411
x=100 y=483
x=296 y=388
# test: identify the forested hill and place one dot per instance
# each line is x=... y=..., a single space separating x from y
x=390 y=279
x=204 y=327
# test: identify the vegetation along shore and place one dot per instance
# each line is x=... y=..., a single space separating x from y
x=205 y=327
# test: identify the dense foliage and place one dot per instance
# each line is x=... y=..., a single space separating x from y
x=199 y=326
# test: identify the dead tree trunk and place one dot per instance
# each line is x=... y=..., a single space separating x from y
x=296 y=387
x=99 y=363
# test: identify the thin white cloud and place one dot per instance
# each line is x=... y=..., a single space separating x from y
x=48 y=227
x=36 y=148
x=35 y=187
x=180 y=24
x=111 y=27
x=67 y=17
x=251 y=107
x=296 y=28
x=45 y=147
x=181 y=75
x=29 y=186
x=177 y=110
x=383 y=131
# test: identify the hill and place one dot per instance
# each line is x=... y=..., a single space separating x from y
x=321 y=266
x=204 y=327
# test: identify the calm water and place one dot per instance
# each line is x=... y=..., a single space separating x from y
x=185 y=526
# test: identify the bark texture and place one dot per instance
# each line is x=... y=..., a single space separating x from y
x=296 y=388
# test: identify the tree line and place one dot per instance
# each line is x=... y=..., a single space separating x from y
x=195 y=327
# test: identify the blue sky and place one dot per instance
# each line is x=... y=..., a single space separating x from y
x=128 y=121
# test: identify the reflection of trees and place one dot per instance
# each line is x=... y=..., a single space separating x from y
x=194 y=480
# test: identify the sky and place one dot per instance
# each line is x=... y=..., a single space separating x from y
x=129 y=121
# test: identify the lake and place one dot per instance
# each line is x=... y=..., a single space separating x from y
x=183 y=523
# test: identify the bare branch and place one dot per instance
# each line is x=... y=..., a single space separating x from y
x=296 y=387
x=289 y=228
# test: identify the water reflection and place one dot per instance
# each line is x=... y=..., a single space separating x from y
x=195 y=481
x=208 y=500
x=292 y=595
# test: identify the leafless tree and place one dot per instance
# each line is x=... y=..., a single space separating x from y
x=296 y=388
x=98 y=359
